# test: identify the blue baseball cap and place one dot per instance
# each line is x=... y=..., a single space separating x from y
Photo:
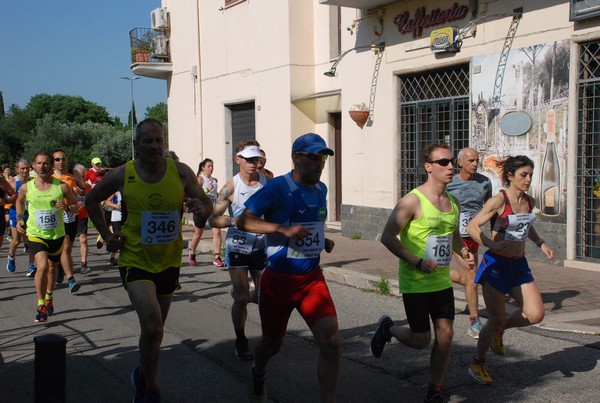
x=311 y=143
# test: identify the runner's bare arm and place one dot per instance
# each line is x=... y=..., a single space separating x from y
x=20 y=207
x=224 y=199
x=250 y=223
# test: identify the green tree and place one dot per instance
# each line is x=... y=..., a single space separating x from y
x=66 y=109
x=158 y=112
x=16 y=129
x=2 y=111
x=115 y=148
x=79 y=140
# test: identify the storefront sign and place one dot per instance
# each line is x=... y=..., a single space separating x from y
x=423 y=19
x=444 y=40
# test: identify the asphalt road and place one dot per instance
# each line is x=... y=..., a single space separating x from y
x=198 y=364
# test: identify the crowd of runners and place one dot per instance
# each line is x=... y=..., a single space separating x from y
x=275 y=235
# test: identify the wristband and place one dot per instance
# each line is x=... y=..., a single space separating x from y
x=418 y=266
x=20 y=217
x=540 y=242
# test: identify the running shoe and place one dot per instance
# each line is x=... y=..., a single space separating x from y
x=479 y=373
x=381 y=335
x=474 y=329
x=258 y=392
x=192 y=258
x=74 y=286
x=60 y=277
x=113 y=262
x=11 y=265
x=40 y=314
x=139 y=386
x=434 y=397
x=84 y=269
x=49 y=307
x=31 y=270
x=498 y=344
x=217 y=261
x=99 y=242
x=242 y=351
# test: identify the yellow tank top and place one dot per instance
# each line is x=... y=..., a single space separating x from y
x=152 y=225
x=429 y=236
x=45 y=219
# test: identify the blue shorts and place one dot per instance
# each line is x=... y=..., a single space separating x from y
x=503 y=273
x=12 y=217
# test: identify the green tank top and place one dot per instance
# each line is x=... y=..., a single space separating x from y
x=429 y=236
x=152 y=223
x=45 y=218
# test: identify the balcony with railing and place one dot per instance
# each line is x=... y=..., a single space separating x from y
x=150 y=56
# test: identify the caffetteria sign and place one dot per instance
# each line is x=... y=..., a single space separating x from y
x=425 y=19
x=444 y=40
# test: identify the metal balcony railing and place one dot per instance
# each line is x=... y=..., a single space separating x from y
x=148 y=46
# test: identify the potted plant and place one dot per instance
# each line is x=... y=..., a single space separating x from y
x=359 y=113
x=141 y=48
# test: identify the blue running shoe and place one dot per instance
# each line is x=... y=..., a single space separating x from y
x=73 y=286
x=11 y=266
x=139 y=386
x=31 y=271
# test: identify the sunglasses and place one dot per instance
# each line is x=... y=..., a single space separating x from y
x=444 y=161
x=253 y=160
x=314 y=157
x=60 y=159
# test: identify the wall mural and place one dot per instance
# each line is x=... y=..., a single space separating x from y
x=528 y=118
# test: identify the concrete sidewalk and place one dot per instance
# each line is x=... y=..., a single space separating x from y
x=571 y=296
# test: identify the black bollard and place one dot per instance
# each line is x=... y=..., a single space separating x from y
x=50 y=368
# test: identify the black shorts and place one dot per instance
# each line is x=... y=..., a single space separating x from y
x=71 y=230
x=115 y=225
x=420 y=306
x=166 y=281
x=199 y=222
x=253 y=261
x=82 y=226
x=54 y=247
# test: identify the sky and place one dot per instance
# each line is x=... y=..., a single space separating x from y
x=75 y=47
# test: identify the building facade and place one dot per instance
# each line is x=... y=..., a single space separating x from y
x=505 y=77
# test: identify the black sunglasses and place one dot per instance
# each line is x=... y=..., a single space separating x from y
x=60 y=159
x=252 y=160
x=444 y=161
x=316 y=157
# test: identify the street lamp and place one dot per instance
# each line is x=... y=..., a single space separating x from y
x=131 y=79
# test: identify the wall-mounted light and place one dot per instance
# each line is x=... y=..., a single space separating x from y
x=377 y=48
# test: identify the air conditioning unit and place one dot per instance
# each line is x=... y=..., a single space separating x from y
x=159 y=19
x=159 y=43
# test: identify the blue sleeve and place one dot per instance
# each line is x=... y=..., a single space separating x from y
x=264 y=200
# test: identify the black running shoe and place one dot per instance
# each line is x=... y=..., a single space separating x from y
x=381 y=335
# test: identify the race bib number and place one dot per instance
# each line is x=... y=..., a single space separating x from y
x=159 y=227
x=518 y=226
x=310 y=246
x=464 y=220
x=68 y=217
x=439 y=248
x=240 y=241
x=46 y=219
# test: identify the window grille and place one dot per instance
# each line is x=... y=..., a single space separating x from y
x=588 y=153
x=434 y=107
